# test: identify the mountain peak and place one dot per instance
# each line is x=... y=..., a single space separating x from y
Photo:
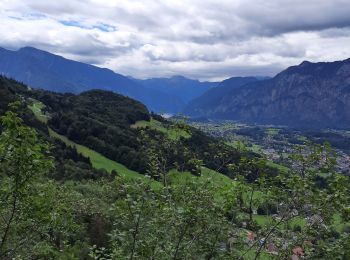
x=319 y=69
x=179 y=77
x=307 y=95
x=305 y=63
x=28 y=50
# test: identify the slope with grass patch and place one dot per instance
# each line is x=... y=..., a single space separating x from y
x=170 y=131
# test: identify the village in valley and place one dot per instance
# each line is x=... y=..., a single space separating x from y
x=277 y=143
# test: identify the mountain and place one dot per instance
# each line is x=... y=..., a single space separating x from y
x=41 y=69
x=307 y=95
x=214 y=95
x=178 y=86
x=118 y=127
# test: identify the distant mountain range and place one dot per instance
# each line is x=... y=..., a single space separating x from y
x=213 y=96
x=41 y=69
x=307 y=95
x=179 y=86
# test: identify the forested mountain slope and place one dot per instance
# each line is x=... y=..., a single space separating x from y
x=41 y=69
x=68 y=163
x=307 y=95
x=103 y=121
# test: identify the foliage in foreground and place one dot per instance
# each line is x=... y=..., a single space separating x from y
x=41 y=218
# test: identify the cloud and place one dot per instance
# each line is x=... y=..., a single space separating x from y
x=202 y=39
x=100 y=26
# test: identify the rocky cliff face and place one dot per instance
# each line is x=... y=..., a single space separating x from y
x=311 y=94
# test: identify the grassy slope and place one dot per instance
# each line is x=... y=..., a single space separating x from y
x=154 y=124
x=36 y=108
x=272 y=131
x=279 y=167
x=98 y=161
x=209 y=175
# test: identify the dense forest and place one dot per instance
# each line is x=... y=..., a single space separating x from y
x=102 y=121
x=194 y=197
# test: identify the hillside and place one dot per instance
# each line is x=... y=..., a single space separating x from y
x=8 y=92
x=308 y=95
x=175 y=130
x=117 y=127
x=69 y=164
x=90 y=200
x=105 y=122
x=100 y=120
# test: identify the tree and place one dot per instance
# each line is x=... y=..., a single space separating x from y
x=300 y=201
x=176 y=222
x=23 y=159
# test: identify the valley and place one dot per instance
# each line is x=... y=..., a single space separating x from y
x=175 y=130
x=230 y=131
x=113 y=157
x=277 y=143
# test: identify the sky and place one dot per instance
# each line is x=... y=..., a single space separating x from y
x=200 y=39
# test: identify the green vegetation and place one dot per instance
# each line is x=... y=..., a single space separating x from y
x=207 y=175
x=101 y=121
x=170 y=130
x=98 y=161
x=36 y=107
x=54 y=204
x=272 y=131
x=256 y=148
x=110 y=125
x=152 y=124
x=302 y=138
x=280 y=168
x=252 y=147
x=23 y=162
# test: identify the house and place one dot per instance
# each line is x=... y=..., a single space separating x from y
x=250 y=237
x=298 y=252
x=272 y=248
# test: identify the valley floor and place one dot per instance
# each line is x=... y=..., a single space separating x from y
x=278 y=142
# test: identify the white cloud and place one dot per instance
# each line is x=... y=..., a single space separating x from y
x=203 y=39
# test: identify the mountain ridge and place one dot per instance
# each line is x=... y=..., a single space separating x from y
x=215 y=94
x=178 y=86
x=41 y=69
x=306 y=95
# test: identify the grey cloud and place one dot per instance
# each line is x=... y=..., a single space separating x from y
x=208 y=21
x=197 y=38
x=335 y=33
x=206 y=72
x=276 y=17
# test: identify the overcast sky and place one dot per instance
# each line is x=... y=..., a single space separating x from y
x=202 y=39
